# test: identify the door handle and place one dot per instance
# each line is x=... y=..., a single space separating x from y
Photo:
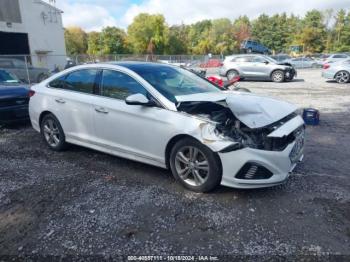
x=101 y=110
x=60 y=101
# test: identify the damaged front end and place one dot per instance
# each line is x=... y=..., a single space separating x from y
x=244 y=124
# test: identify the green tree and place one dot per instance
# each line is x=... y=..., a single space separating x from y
x=313 y=35
x=76 y=40
x=113 y=41
x=146 y=29
x=261 y=29
x=221 y=35
x=339 y=30
x=94 y=43
x=178 y=40
x=241 y=30
x=198 y=37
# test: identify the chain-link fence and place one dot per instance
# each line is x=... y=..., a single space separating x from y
x=34 y=68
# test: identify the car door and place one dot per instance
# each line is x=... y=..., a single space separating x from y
x=260 y=67
x=128 y=130
x=244 y=65
x=71 y=98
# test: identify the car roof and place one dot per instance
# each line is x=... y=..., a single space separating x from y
x=135 y=65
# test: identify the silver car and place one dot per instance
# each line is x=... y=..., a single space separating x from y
x=256 y=67
x=24 y=71
x=170 y=117
x=304 y=62
x=336 y=58
x=338 y=71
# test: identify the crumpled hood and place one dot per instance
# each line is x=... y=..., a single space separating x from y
x=252 y=110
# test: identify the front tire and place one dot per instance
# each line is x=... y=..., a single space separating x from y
x=277 y=76
x=195 y=166
x=342 y=77
x=52 y=133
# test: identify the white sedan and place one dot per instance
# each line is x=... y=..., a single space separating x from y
x=169 y=117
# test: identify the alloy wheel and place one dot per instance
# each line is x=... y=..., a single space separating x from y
x=231 y=74
x=192 y=166
x=277 y=77
x=51 y=132
x=342 y=77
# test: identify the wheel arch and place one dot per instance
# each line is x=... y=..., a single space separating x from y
x=179 y=137
x=233 y=69
x=43 y=114
x=171 y=144
x=277 y=69
x=341 y=71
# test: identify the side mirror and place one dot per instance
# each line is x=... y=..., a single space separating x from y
x=138 y=99
x=266 y=62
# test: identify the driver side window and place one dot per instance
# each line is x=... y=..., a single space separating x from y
x=258 y=59
x=118 y=85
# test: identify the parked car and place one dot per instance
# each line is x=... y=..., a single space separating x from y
x=251 y=46
x=256 y=67
x=281 y=58
x=22 y=70
x=338 y=71
x=14 y=99
x=304 y=62
x=211 y=63
x=335 y=58
x=172 y=118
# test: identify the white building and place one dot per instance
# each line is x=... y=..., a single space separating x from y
x=32 y=27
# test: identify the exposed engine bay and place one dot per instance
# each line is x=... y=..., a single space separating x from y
x=228 y=126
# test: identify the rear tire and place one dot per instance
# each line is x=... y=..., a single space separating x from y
x=277 y=76
x=231 y=74
x=52 y=133
x=195 y=166
x=342 y=77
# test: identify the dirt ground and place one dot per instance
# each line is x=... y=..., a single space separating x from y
x=82 y=202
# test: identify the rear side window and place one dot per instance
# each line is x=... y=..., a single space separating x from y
x=242 y=59
x=81 y=81
x=258 y=59
x=119 y=85
x=340 y=56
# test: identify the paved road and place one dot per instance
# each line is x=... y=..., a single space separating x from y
x=83 y=202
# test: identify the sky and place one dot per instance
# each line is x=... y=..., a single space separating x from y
x=93 y=15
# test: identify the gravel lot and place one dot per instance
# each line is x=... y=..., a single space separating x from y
x=82 y=202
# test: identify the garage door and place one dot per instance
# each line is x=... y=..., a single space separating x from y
x=14 y=44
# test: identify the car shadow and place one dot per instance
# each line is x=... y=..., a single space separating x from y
x=15 y=125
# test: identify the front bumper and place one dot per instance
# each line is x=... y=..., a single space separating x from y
x=328 y=75
x=279 y=163
x=290 y=74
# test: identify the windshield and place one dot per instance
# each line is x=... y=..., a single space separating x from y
x=172 y=81
x=6 y=77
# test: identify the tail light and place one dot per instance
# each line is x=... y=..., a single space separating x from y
x=31 y=93
x=326 y=66
x=221 y=64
